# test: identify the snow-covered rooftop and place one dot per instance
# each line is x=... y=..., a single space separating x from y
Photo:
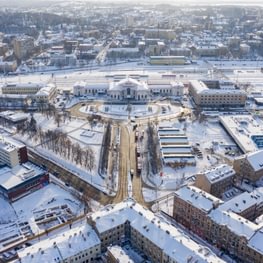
x=171 y=240
x=46 y=90
x=256 y=160
x=14 y=116
x=198 y=198
x=219 y=173
x=23 y=85
x=256 y=242
x=237 y=224
x=62 y=246
x=201 y=88
x=11 y=177
x=9 y=144
x=242 y=202
x=120 y=254
x=245 y=130
x=139 y=85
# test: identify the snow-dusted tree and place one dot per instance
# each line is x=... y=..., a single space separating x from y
x=57 y=118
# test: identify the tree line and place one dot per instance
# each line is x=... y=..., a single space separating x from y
x=58 y=142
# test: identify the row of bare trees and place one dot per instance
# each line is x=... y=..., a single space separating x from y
x=152 y=144
x=58 y=142
x=106 y=144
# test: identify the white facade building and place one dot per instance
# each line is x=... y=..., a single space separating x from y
x=129 y=89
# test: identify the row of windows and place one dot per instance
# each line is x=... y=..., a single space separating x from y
x=83 y=258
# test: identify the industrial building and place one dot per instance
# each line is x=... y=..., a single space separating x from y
x=21 y=180
x=18 y=176
x=174 y=147
x=245 y=130
x=168 y=60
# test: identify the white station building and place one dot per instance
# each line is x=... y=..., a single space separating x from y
x=128 y=89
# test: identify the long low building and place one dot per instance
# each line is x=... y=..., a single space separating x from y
x=174 y=147
x=168 y=60
x=26 y=94
x=216 y=94
x=128 y=89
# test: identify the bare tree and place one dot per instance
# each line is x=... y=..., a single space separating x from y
x=58 y=119
x=90 y=164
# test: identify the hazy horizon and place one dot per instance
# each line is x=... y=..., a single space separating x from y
x=172 y=2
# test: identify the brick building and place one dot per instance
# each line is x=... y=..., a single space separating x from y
x=216 y=180
x=249 y=166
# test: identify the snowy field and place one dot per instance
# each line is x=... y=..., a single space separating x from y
x=20 y=219
x=67 y=126
x=78 y=131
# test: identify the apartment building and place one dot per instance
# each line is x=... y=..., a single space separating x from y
x=12 y=152
x=226 y=225
x=231 y=232
x=23 y=46
x=249 y=166
x=168 y=34
x=217 y=96
x=191 y=208
x=215 y=180
x=247 y=205
x=77 y=245
x=158 y=240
